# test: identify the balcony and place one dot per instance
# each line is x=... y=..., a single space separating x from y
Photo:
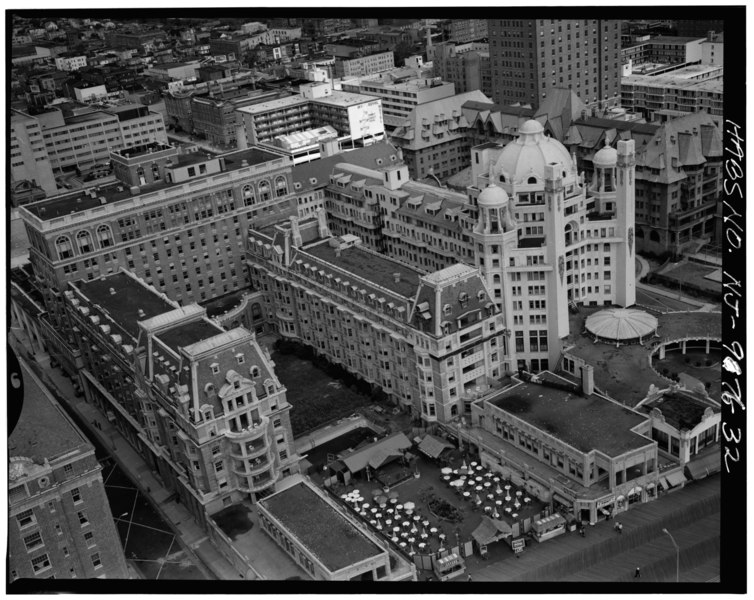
x=255 y=431
x=595 y=216
x=532 y=242
x=257 y=484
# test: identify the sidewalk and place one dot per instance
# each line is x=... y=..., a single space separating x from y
x=192 y=536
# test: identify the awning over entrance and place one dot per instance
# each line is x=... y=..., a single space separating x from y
x=702 y=467
x=676 y=478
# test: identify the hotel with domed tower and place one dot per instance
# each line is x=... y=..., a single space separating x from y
x=538 y=235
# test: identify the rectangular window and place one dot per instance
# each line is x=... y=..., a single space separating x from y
x=219 y=466
x=76 y=495
x=82 y=518
x=33 y=541
x=26 y=518
x=89 y=539
x=40 y=563
x=96 y=560
x=68 y=469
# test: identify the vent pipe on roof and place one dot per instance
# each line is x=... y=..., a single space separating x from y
x=112 y=291
x=587 y=380
x=141 y=313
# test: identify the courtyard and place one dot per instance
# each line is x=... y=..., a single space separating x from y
x=316 y=397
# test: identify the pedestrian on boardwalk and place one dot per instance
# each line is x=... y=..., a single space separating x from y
x=468 y=578
x=637 y=575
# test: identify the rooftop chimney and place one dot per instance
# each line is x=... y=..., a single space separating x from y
x=141 y=313
x=112 y=291
x=587 y=380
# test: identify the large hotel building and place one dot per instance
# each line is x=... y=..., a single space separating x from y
x=532 y=236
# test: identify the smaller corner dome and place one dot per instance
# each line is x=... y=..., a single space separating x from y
x=606 y=157
x=492 y=196
x=531 y=126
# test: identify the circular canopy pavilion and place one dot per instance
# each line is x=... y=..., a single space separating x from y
x=624 y=325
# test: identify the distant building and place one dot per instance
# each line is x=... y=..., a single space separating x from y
x=664 y=50
x=698 y=27
x=133 y=39
x=59 y=519
x=172 y=71
x=88 y=138
x=467 y=66
x=594 y=76
x=712 y=49
x=29 y=160
x=400 y=94
x=433 y=136
x=70 y=63
x=361 y=66
x=90 y=92
x=356 y=117
x=463 y=31
x=325 y=540
x=691 y=89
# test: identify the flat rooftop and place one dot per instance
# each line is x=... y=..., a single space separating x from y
x=43 y=430
x=370 y=266
x=320 y=528
x=585 y=423
x=623 y=372
x=88 y=117
x=78 y=201
x=188 y=334
x=123 y=306
x=682 y=411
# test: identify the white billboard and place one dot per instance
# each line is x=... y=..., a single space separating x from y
x=366 y=119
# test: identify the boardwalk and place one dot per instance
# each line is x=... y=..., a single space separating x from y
x=570 y=554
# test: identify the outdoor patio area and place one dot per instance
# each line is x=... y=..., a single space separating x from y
x=441 y=508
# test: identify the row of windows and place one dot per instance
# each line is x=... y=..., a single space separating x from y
x=84 y=242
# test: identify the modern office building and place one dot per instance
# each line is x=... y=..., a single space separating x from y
x=666 y=50
x=59 y=520
x=400 y=95
x=692 y=89
x=530 y=57
x=201 y=404
x=462 y=31
x=357 y=118
x=433 y=136
x=173 y=218
x=713 y=49
x=84 y=139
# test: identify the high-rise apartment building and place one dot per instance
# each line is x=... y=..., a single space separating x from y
x=530 y=57
x=59 y=519
x=29 y=160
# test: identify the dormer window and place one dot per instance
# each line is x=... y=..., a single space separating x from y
x=254 y=371
x=237 y=384
x=446 y=310
x=240 y=358
x=215 y=368
x=531 y=180
x=209 y=388
x=463 y=298
x=480 y=296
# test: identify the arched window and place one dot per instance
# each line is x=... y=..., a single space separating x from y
x=254 y=371
x=639 y=233
x=496 y=279
x=654 y=236
x=531 y=180
x=84 y=241
x=281 y=186
x=248 y=195
x=104 y=236
x=502 y=178
x=140 y=175
x=265 y=193
x=64 y=247
x=156 y=173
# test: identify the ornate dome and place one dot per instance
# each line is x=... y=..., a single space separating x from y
x=527 y=156
x=621 y=324
x=493 y=196
x=606 y=157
